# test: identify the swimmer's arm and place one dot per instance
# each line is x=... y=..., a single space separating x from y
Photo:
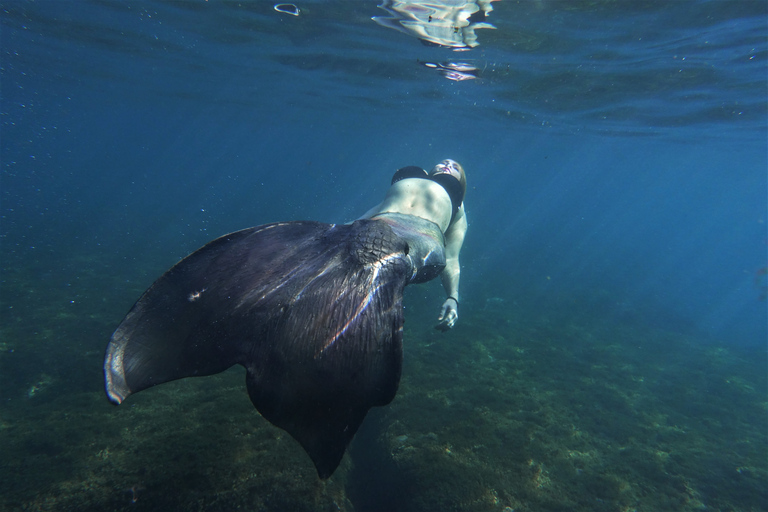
x=454 y=239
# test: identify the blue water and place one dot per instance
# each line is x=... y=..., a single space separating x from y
x=609 y=148
x=616 y=152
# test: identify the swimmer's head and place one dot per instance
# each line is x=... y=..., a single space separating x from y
x=452 y=168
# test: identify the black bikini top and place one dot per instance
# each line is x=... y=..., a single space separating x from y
x=449 y=183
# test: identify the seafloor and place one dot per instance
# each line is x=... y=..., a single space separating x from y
x=521 y=407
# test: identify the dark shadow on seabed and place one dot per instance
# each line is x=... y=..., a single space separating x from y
x=517 y=408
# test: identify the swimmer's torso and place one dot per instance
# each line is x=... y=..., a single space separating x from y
x=419 y=197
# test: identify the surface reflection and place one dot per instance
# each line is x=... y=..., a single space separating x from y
x=444 y=23
x=456 y=71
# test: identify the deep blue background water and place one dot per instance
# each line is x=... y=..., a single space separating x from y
x=616 y=152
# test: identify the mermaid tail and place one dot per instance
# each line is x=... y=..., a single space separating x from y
x=312 y=311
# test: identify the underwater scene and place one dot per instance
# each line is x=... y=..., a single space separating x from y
x=607 y=348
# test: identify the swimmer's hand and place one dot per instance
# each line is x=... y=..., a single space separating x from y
x=448 y=314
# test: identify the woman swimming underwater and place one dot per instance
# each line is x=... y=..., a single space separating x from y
x=313 y=311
